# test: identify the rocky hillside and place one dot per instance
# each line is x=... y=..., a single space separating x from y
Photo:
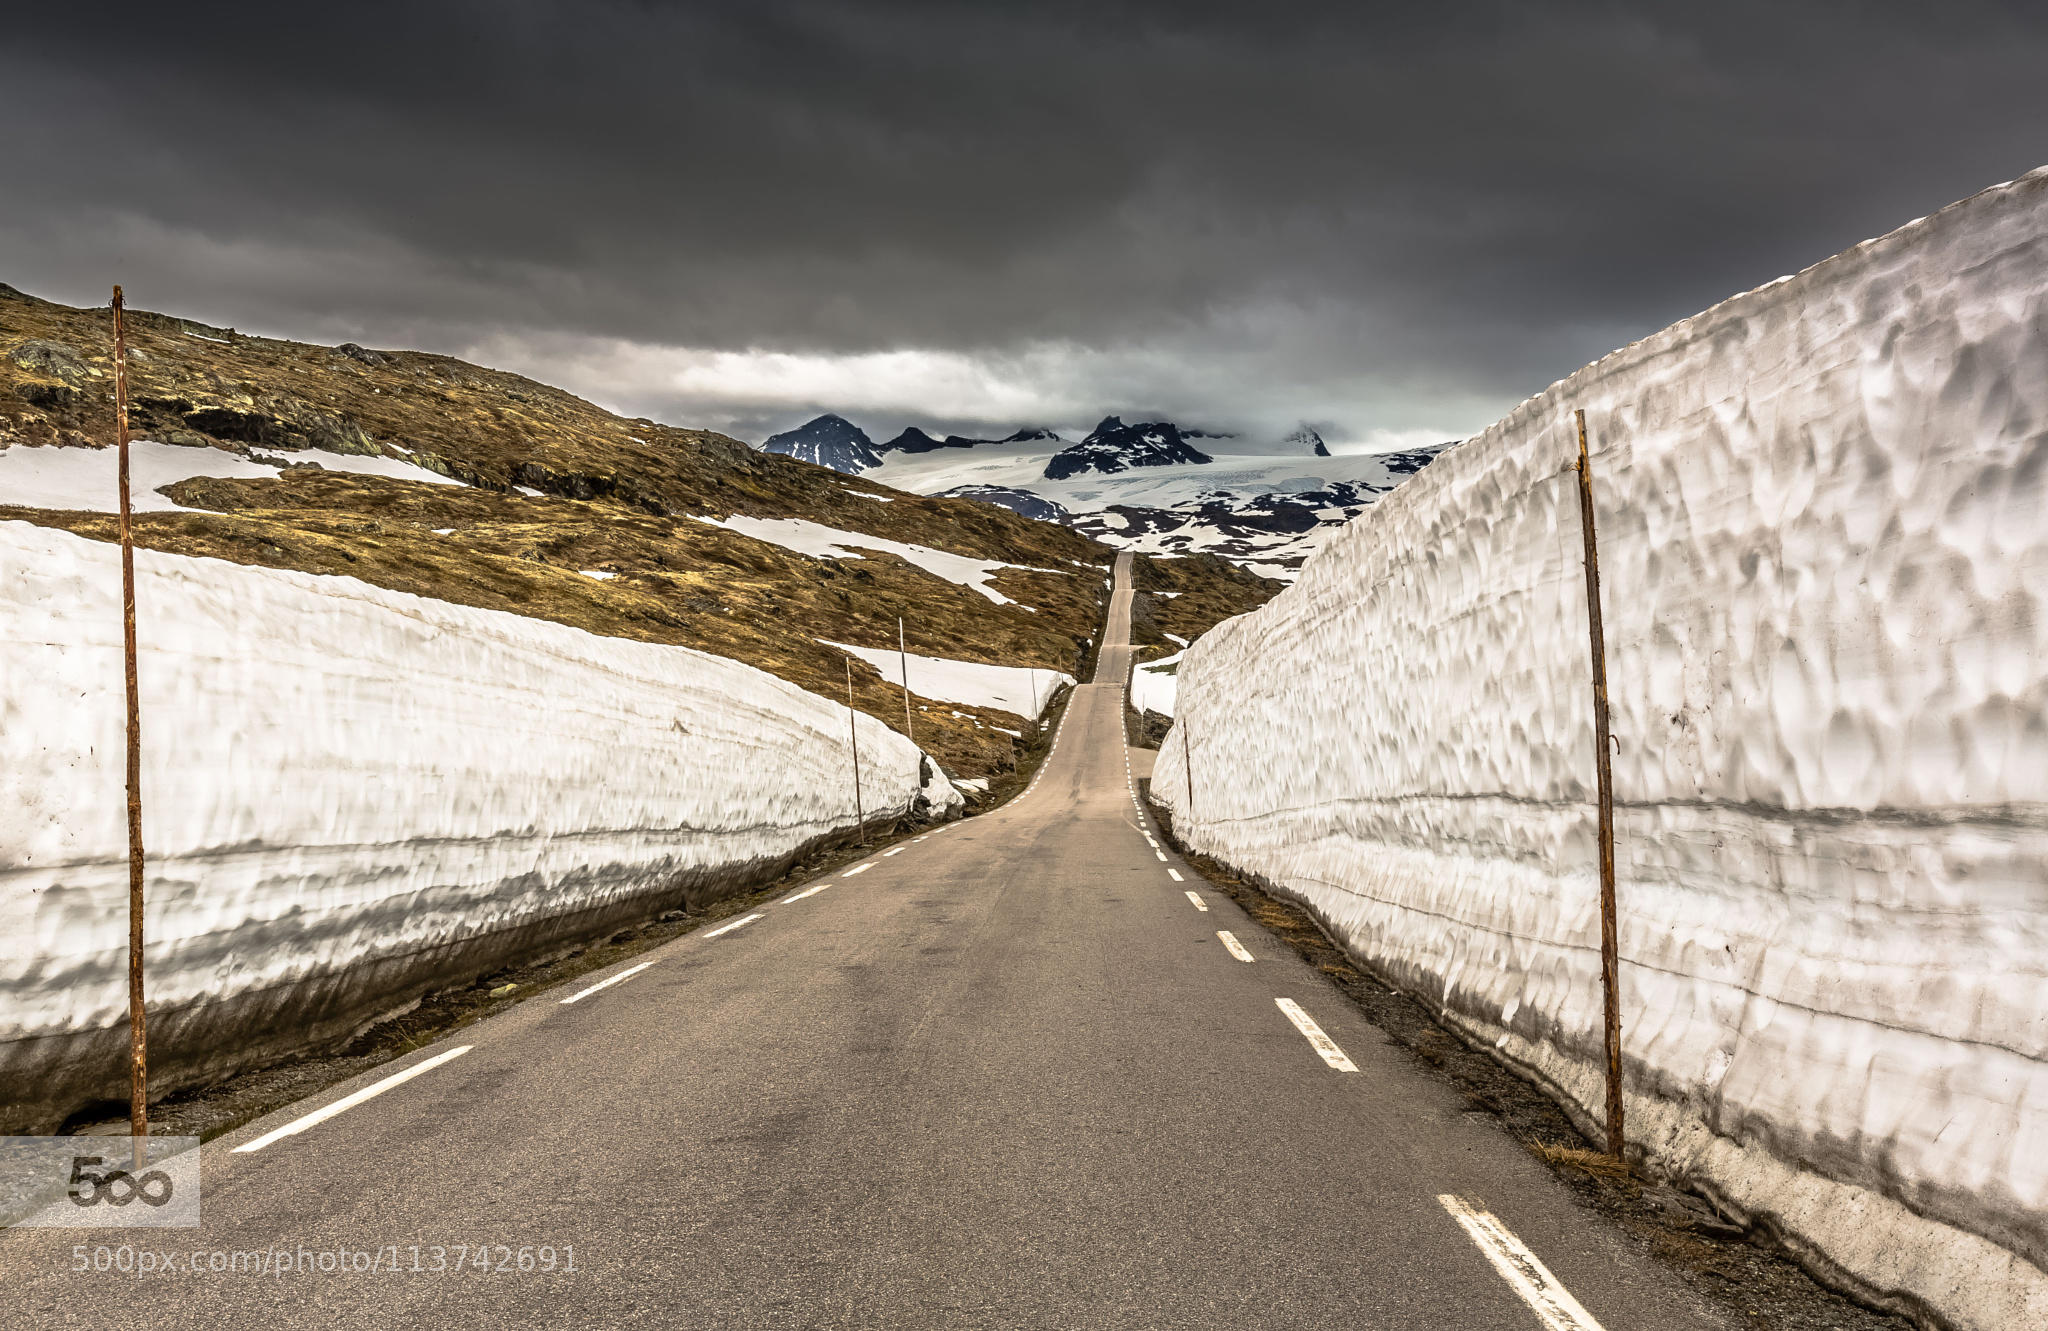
x=429 y=475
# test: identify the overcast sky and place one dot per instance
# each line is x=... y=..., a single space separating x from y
x=1393 y=223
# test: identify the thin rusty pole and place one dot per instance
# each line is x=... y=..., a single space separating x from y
x=138 y=1046
x=903 y=660
x=1610 y=947
x=853 y=727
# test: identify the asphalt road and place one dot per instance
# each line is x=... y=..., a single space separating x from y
x=1007 y=1075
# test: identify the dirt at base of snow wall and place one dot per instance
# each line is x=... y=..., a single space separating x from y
x=1825 y=593
x=352 y=796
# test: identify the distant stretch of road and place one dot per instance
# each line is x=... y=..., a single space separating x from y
x=1024 y=1071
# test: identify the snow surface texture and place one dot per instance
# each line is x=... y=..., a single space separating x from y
x=350 y=794
x=85 y=478
x=1825 y=583
x=821 y=542
x=1018 y=689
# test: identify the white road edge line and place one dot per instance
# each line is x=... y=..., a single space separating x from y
x=1199 y=903
x=1523 y=1271
x=1161 y=854
x=795 y=897
x=1313 y=1033
x=348 y=1102
x=1174 y=874
x=608 y=982
x=1230 y=942
x=728 y=928
x=858 y=868
x=887 y=853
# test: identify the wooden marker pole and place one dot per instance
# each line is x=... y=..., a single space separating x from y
x=903 y=662
x=853 y=727
x=1187 y=754
x=1610 y=948
x=138 y=1047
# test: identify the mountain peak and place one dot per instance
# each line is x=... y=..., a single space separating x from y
x=1304 y=438
x=1114 y=446
x=829 y=440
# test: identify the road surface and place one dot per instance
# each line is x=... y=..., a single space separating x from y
x=1005 y=1075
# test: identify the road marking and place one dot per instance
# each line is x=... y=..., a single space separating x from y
x=1324 y=1045
x=626 y=974
x=348 y=1102
x=1199 y=903
x=1527 y=1275
x=1161 y=854
x=1236 y=948
x=1174 y=874
x=728 y=928
x=799 y=896
x=858 y=868
x=887 y=853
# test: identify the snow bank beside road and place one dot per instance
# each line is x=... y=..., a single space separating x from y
x=1826 y=597
x=353 y=794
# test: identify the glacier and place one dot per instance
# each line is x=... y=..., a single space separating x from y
x=1825 y=587
x=352 y=796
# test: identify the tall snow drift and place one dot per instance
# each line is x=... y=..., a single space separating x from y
x=1825 y=566
x=351 y=795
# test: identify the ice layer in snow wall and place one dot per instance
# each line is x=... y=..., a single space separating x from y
x=351 y=795
x=1822 y=513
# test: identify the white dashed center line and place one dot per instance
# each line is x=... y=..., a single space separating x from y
x=348 y=1102
x=1322 y=1043
x=1525 y=1274
x=1174 y=874
x=728 y=928
x=607 y=983
x=1199 y=903
x=799 y=896
x=858 y=868
x=1230 y=942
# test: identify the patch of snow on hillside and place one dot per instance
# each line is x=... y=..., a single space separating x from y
x=1019 y=689
x=360 y=464
x=1155 y=685
x=821 y=542
x=84 y=479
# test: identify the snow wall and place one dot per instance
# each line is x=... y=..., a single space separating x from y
x=352 y=796
x=1822 y=511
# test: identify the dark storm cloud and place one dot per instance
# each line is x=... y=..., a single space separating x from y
x=1405 y=216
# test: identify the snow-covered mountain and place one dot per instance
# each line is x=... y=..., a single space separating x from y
x=1114 y=446
x=1264 y=502
x=829 y=441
